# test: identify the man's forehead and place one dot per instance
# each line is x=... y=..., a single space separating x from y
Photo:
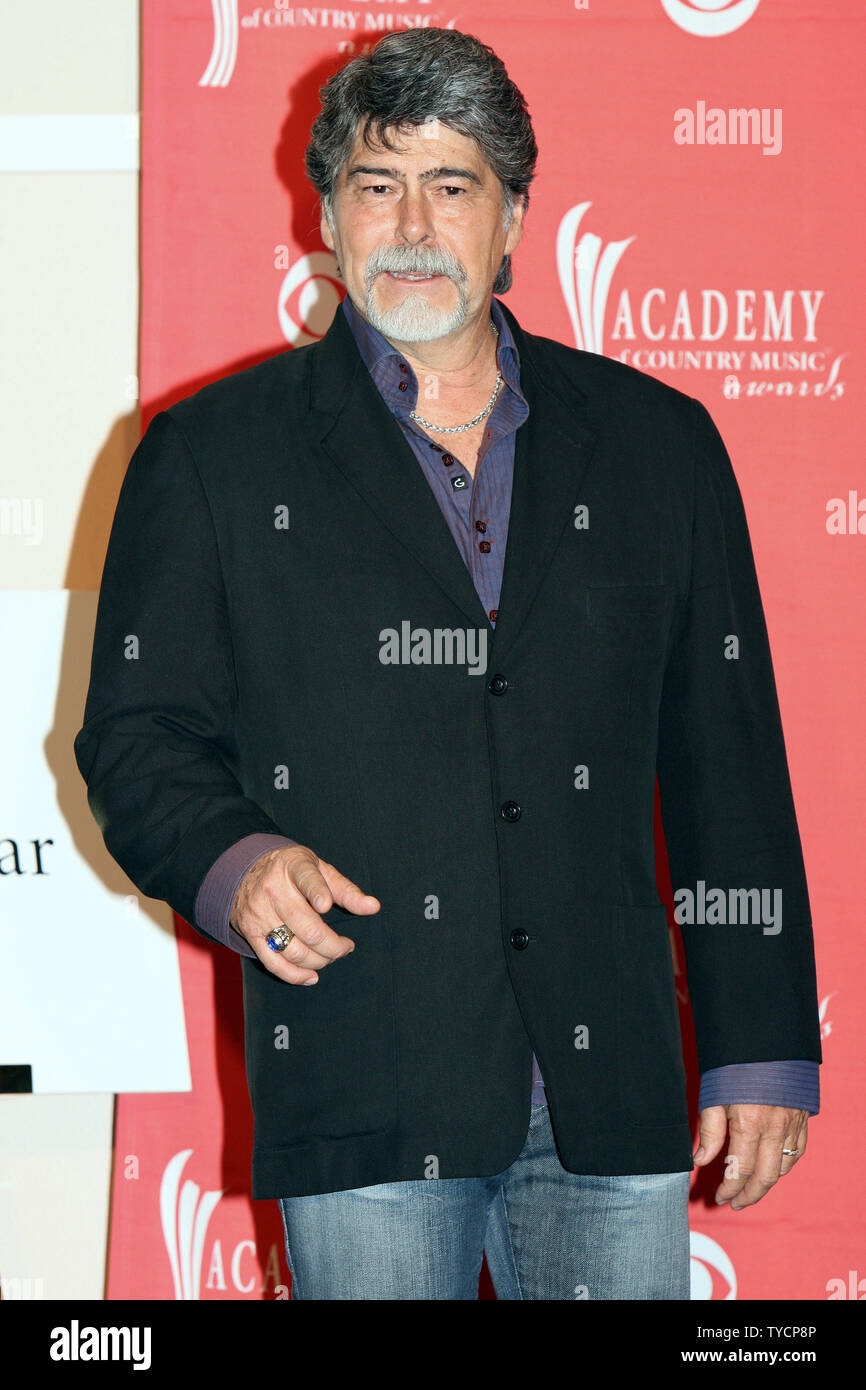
x=412 y=142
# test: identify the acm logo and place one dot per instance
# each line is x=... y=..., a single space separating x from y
x=308 y=297
x=712 y=1271
x=709 y=19
x=185 y=1213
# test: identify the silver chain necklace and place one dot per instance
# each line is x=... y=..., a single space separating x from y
x=476 y=419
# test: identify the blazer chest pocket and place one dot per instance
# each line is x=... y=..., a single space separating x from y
x=629 y=615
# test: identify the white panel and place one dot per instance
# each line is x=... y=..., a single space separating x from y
x=69 y=421
x=69 y=416
x=55 y=1186
x=90 y=991
x=59 y=56
x=63 y=143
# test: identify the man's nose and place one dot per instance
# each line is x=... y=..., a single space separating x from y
x=414 y=218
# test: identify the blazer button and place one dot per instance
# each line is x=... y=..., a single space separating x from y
x=509 y=810
x=519 y=939
x=498 y=685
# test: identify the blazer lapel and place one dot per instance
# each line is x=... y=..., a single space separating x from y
x=553 y=449
x=363 y=440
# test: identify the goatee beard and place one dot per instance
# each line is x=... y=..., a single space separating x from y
x=416 y=320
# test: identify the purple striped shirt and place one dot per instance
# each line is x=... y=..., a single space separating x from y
x=477 y=511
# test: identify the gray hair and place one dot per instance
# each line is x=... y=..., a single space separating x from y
x=420 y=75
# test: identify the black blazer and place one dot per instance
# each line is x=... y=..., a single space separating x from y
x=270 y=529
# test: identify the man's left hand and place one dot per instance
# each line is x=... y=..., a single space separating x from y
x=754 y=1162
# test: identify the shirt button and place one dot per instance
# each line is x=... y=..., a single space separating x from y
x=493 y=614
x=498 y=685
x=519 y=939
x=402 y=386
x=481 y=526
x=509 y=810
x=403 y=367
x=484 y=547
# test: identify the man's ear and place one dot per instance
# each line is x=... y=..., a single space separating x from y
x=325 y=227
x=515 y=228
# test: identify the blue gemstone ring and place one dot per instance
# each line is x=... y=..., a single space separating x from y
x=279 y=938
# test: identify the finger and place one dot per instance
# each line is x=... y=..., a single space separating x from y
x=797 y=1140
x=314 y=943
x=739 y=1164
x=276 y=964
x=765 y=1175
x=344 y=892
x=714 y=1127
x=304 y=954
x=255 y=929
x=279 y=898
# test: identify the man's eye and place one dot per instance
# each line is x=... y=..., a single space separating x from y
x=451 y=188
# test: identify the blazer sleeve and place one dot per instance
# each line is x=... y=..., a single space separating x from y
x=726 y=800
x=156 y=746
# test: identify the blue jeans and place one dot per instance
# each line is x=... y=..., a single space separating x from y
x=547 y=1234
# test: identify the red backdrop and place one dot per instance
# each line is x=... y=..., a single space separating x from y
x=713 y=251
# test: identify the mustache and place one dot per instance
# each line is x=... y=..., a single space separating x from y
x=408 y=260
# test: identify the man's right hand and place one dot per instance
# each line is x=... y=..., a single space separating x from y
x=291 y=886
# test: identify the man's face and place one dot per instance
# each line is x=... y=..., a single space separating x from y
x=432 y=208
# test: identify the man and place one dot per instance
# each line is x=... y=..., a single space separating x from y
x=395 y=631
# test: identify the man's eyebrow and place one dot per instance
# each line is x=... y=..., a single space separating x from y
x=444 y=171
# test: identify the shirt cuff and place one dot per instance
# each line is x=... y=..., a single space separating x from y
x=794 y=1085
x=213 y=903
